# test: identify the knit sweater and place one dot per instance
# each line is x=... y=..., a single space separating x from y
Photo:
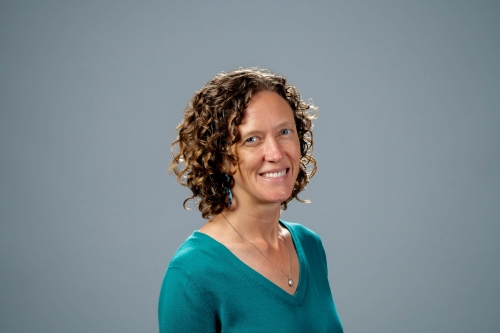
x=208 y=289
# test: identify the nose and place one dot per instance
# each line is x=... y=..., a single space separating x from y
x=273 y=151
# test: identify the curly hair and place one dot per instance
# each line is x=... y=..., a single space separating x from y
x=202 y=154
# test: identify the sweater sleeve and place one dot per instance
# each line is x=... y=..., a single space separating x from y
x=323 y=255
x=183 y=306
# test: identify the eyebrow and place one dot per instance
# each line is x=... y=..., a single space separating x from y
x=252 y=132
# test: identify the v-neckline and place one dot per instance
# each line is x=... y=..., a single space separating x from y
x=300 y=291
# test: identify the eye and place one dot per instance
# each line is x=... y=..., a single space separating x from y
x=251 y=139
x=285 y=131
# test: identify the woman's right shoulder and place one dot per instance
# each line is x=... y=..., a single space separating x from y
x=196 y=253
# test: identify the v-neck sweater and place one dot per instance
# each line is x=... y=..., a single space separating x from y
x=206 y=288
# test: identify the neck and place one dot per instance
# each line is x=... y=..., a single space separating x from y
x=255 y=223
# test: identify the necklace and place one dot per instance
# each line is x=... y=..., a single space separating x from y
x=290 y=281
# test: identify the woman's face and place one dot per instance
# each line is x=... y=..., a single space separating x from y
x=268 y=151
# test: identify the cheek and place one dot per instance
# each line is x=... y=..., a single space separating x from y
x=296 y=151
x=242 y=168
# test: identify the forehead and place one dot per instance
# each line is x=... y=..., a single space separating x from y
x=266 y=108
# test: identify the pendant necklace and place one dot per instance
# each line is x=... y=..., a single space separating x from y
x=290 y=281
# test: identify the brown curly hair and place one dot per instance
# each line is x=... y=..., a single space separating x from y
x=202 y=154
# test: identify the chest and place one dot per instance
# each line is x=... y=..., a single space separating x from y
x=276 y=266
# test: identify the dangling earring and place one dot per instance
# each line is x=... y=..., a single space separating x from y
x=228 y=191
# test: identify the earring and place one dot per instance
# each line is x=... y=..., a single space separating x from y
x=228 y=191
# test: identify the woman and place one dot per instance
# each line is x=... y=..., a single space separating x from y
x=244 y=149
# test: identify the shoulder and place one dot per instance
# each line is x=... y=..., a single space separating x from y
x=194 y=254
x=309 y=242
x=192 y=269
x=302 y=233
x=183 y=293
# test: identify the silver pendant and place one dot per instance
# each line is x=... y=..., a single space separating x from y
x=290 y=282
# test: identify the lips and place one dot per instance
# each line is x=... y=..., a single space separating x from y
x=274 y=174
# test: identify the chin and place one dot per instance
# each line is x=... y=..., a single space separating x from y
x=279 y=198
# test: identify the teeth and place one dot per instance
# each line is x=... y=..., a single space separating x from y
x=275 y=174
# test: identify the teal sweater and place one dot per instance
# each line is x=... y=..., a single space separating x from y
x=208 y=289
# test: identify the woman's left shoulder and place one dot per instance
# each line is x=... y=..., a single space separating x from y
x=301 y=232
x=310 y=243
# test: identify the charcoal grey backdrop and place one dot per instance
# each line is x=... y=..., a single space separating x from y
x=407 y=194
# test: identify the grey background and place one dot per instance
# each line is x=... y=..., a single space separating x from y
x=406 y=198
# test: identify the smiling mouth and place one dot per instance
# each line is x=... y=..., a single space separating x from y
x=275 y=174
